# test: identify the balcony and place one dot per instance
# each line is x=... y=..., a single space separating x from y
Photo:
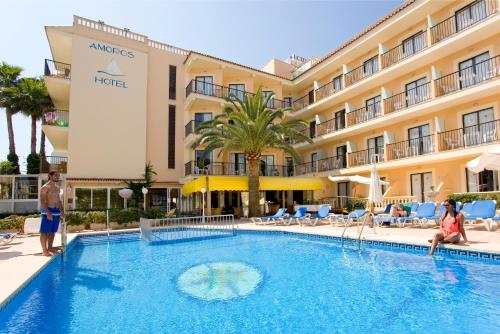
x=331 y=163
x=326 y=127
x=327 y=90
x=305 y=168
x=483 y=133
x=302 y=102
x=404 y=50
x=222 y=92
x=54 y=163
x=364 y=114
x=410 y=148
x=189 y=128
x=58 y=118
x=407 y=99
x=57 y=69
x=366 y=157
x=234 y=169
x=360 y=73
x=474 y=13
x=468 y=77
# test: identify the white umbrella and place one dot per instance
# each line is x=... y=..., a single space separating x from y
x=488 y=160
x=355 y=179
x=375 y=195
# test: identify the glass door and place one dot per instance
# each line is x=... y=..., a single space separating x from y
x=479 y=127
x=238 y=164
x=376 y=149
x=238 y=90
x=340 y=120
x=201 y=117
x=416 y=92
x=373 y=107
x=204 y=85
x=413 y=44
x=471 y=14
x=341 y=156
x=312 y=129
x=420 y=184
x=419 y=140
x=266 y=165
x=475 y=70
x=314 y=160
x=289 y=166
x=486 y=180
x=343 y=191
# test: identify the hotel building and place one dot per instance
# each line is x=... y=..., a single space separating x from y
x=416 y=93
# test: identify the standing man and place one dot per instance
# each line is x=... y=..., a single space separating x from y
x=52 y=210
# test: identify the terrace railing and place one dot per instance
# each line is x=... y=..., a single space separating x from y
x=305 y=168
x=468 y=77
x=327 y=90
x=405 y=50
x=57 y=69
x=302 y=102
x=364 y=114
x=410 y=148
x=325 y=127
x=235 y=169
x=56 y=118
x=483 y=133
x=54 y=163
x=331 y=163
x=365 y=157
x=475 y=12
x=359 y=74
x=407 y=99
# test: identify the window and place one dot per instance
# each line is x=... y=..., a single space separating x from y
x=172 y=81
x=238 y=90
x=420 y=140
x=171 y=136
x=416 y=91
x=383 y=187
x=337 y=83
x=287 y=102
x=238 y=164
x=204 y=85
x=475 y=70
x=479 y=127
x=270 y=103
x=373 y=107
x=83 y=198
x=311 y=96
x=289 y=166
x=376 y=149
x=267 y=165
x=115 y=200
x=314 y=159
x=414 y=44
x=340 y=120
x=202 y=161
x=470 y=14
x=341 y=157
x=201 y=117
x=312 y=129
x=370 y=66
x=486 y=180
x=343 y=193
x=420 y=184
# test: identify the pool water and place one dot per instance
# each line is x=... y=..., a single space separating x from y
x=254 y=283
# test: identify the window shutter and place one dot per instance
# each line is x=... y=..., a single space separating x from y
x=171 y=136
x=172 y=82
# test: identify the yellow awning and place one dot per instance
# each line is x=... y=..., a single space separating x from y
x=240 y=183
x=290 y=183
x=194 y=186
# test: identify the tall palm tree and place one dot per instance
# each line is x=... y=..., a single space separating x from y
x=9 y=77
x=249 y=126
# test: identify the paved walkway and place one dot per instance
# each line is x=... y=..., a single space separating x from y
x=22 y=259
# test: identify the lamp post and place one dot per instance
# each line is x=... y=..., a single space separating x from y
x=144 y=192
x=203 y=191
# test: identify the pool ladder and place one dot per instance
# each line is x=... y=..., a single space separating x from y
x=342 y=238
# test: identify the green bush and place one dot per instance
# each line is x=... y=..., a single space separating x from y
x=124 y=216
x=14 y=159
x=14 y=222
x=355 y=203
x=154 y=213
x=7 y=168
x=470 y=197
x=33 y=164
x=95 y=217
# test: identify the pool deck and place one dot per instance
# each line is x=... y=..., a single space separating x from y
x=22 y=259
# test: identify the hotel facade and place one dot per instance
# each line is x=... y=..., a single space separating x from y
x=417 y=94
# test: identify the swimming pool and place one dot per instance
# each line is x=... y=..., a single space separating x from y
x=254 y=283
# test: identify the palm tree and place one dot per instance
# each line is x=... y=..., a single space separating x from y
x=249 y=126
x=9 y=77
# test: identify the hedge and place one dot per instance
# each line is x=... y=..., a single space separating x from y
x=470 y=197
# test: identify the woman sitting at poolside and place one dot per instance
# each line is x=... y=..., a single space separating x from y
x=451 y=226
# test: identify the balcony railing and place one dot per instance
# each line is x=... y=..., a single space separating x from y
x=326 y=127
x=407 y=99
x=365 y=157
x=302 y=102
x=483 y=133
x=468 y=77
x=210 y=89
x=235 y=169
x=405 y=50
x=359 y=74
x=410 y=148
x=327 y=90
x=57 y=69
x=475 y=12
x=56 y=118
x=189 y=128
x=364 y=114
x=54 y=163
x=305 y=168
x=331 y=163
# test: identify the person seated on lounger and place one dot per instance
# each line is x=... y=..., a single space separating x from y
x=397 y=210
x=451 y=227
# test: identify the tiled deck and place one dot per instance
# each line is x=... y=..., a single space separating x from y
x=22 y=259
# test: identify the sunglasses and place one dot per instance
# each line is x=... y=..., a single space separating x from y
x=445 y=205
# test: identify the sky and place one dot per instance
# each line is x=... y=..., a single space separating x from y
x=246 y=32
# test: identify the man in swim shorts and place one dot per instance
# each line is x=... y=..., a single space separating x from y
x=52 y=210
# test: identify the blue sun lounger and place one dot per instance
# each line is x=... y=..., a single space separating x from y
x=7 y=238
x=322 y=215
x=437 y=217
x=352 y=217
x=265 y=220
x=481 y=211
x=424 y=211
x=300 y=213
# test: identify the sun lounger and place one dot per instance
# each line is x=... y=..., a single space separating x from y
x=482 y=211
x=6 y=238
x=436 y=218
x=489 y=222
x=322 y=215
x=424 y=211
x=266 y=220
x=300 y=213
x=352 y=217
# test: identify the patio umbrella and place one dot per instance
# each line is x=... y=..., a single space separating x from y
x=375 y=195
x=488 y=160
x=355 y=179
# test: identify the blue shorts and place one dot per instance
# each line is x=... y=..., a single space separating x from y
x=50 y=226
